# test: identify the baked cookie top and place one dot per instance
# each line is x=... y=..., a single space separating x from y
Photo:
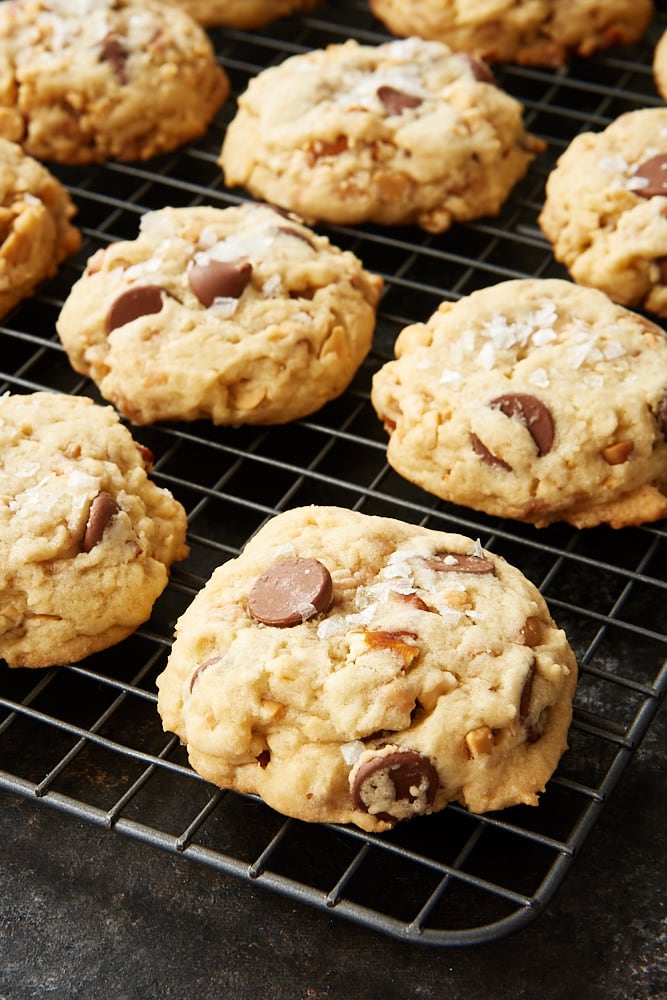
x=358 y=669
x=539 y=33
x=532 y=399
x=89 y=80
x=403 y=132
x=238 y=315
x=241 y=13
x=37 y=235
x=605 y=209
x=86 y=538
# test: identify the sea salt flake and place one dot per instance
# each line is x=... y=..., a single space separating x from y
x=539 y=378
x=352 y=751
x=449 y=377
x=614 y=163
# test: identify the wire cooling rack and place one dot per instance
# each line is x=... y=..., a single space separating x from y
x=86 y=739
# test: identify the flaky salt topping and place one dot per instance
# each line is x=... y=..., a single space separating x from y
x=623 y=171
x=60 y=24
x=578 y=343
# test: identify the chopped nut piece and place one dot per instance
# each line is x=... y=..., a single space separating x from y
x=617 y=453
x=479 y=741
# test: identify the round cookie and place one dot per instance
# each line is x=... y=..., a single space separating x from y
x=605 y=209
x=104 y=79
x=37 y=235
x=538 y=32
x=238 y=315
x=403 y=132
x=86 y=539
x=358 y=669
x=532 y=399
x=242 y=13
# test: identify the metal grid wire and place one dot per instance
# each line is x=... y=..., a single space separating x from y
x=87 y=739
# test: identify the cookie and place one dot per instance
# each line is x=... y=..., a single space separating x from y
x=37 y=235
x=237 y=315
x=352 y=668
x=86 y=538
x=604 y=209
x=539 y=33
x=242 y=13
x=532 y=399
x=104 y=79
x=660 y=65
x=403 y=132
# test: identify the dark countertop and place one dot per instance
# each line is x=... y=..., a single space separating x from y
x=90 y=914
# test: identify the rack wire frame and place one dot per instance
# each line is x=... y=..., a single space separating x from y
x=86 y=739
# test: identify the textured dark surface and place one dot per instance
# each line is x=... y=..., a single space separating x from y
x=122 y=874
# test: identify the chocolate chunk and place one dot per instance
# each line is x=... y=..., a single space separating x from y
x=219 y=279
x=291 y=591
x=454 y=562
x=114 y=52
x=142 y=300
x=655 y=172
x=534 y=415
x=102 y=511
x=486 y=456
x=414 y=779
x=396 y=101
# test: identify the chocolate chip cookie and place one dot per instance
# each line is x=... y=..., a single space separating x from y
x=104 y=79
x=404 y=132
x=605 y=210
x=541 y=33
x=86 y=538
x=532 y=399
x=357 y=669
x=36 y=233
x=241 y=13
x=237 y=315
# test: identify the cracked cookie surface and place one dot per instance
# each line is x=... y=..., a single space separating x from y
x=36 y=233
x=358 y=669
x=238 y=315
x=537 y=32
x=532 y=399
x=86 y=538
x=92 y=80
x=403 y=132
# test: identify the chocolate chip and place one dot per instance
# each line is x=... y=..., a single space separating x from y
x=534 y=414
x=114 y=52
x=291 y=591
x=532 y=632
x=655 y=172
x=219 y=279
x=454 y=562
x=263 y=758
x=200 y=670
x=289 y=231
x=526 y=694
x=396 y=101
x=479 y=68
x=414 y=780
x=487 y=456
x=142 y=300
x=103 y=509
